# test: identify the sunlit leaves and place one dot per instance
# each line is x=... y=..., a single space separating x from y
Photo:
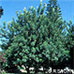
x=35 y=37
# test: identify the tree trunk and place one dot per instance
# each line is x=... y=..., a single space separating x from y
x=36 y=70
x=27 y=69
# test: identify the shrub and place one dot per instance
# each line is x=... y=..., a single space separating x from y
x=2 y=60
x=33 y=40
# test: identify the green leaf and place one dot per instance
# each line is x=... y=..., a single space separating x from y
x=33 y=50
x=24 y=60
x=15 y=54
x=21 y=54
x=37 y=60
x=18 y=59
x=32 y=43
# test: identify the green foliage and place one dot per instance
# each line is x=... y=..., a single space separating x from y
x=53 y=11
x=2 y=61
x=35 y=39
x=69 y=34
x=3 y=72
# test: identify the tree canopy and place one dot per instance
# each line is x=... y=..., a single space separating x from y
x=36 y=39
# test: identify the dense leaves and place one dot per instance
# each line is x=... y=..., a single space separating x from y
x=2 y=60
x=36 y=39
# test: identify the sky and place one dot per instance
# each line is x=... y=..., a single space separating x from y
x=11 y=6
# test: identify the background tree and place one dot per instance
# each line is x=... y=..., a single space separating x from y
x=70 y=42
x=54 y=15
x=72 y=48
x=1 y=11
x=53 y=10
